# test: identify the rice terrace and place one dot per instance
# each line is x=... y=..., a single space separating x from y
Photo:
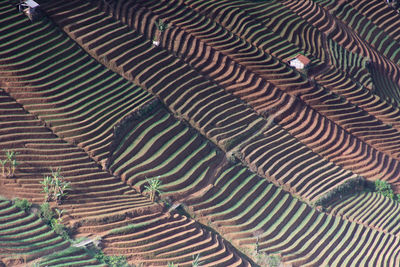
x=200 y=133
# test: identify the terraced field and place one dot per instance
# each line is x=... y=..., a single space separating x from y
x=187 y=107
x=338 y=109
x=25 y=238
x=100 y=203
x=252 y=206
x=245 y=147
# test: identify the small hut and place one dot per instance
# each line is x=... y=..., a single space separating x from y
x=299 y=62
x=30 y=9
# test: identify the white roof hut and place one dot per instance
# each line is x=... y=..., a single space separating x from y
x=30 y=9
x=299 y=61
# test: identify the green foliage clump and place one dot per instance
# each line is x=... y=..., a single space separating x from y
x=23 y=204
x=112 y=261
x=46 y=213
x=161 y=26
x=59 y=228
x=384 y=188
x=55 y=222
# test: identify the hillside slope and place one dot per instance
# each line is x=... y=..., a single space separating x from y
x=244 y=143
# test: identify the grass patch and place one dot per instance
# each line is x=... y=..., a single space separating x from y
x=130 y=228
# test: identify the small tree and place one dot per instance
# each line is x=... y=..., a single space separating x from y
x=153 y=187
x=161 y=27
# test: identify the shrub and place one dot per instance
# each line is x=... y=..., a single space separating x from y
x=112 y=261
x=46 y=213
x=384 y=188
x=49 y=217
x=59 y=214
x=60 y=229
x=23 y=204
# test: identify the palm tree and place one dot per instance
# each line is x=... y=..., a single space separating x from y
x=153 y=187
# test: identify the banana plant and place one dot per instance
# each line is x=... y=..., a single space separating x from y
x=61 y=190
x=47 y=185
x=14 y=165
x=59 y=215
x=196 y=261
x=60 y=186
x=10 y=154
x=55 y=187
x=153 y=187
x=8 y=170
x=3 y=167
